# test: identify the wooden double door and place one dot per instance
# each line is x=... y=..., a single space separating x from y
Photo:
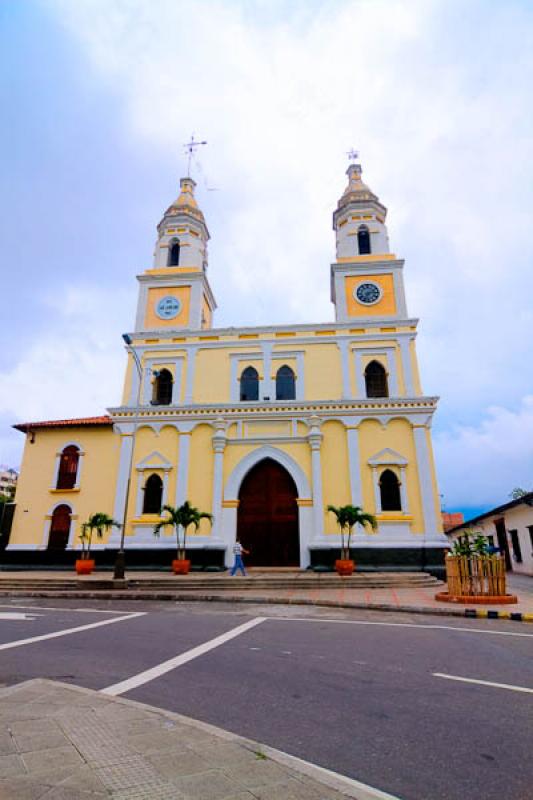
x=267 y=517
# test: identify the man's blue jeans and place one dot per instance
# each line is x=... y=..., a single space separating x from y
x=238 y=565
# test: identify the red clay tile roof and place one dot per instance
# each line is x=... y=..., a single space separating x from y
x=63 y=423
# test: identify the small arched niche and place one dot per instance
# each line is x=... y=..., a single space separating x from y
x=249 y=385
x=174 y=253
x=389 y=488
x=376 y=380
x=363 y=240
x=153 y=495
x=163 y=385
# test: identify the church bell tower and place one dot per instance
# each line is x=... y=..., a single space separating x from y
x=175 y=292
x=366 y=279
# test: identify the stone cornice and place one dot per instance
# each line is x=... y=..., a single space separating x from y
x=326 y=408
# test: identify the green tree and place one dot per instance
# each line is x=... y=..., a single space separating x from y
x=182 y=518
x=517 y=493
x=347 y=518
x=96 y=524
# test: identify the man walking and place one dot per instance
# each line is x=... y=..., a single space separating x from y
x=238 y=550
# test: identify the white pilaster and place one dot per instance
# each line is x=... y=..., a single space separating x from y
x=123 y=476
x=425 y=482
x=377 y=492
x=315 y=443
x=403 y=492
x=219 y=445
x=267 y=387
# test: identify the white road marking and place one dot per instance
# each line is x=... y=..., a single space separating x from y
x=404 y=625
x=166 y=666
x=483 y=683
x=67 y=610
x=68 y=631
x=18 y=615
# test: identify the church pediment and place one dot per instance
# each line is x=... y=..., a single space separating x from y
x=387 y=457
x=154 y=461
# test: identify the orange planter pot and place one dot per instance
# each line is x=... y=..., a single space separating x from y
x=84 y=566
x=344 y=566
x=181 y=566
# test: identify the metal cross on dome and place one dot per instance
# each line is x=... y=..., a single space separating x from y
x=353 y=155
x=190 y=148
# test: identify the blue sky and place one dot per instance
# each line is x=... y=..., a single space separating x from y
x=98 y=98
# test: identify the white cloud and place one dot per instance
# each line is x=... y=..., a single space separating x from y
x=481 y=465
x=437 y=96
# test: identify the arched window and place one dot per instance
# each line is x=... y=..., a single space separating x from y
x=285 y=385
x=153 y=495
x=174 y=254
x=59 y=528
x=68 y=467
x=163 y=388
x=249 y=384
x=389 y=487
x=376 y=380
x=363 y=240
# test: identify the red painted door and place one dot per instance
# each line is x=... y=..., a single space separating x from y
x=267 y=517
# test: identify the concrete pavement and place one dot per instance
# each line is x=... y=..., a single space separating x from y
x=59 y=742
x=412 y=599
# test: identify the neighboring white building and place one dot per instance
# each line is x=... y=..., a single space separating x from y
x=8 y=481
x=508 y=527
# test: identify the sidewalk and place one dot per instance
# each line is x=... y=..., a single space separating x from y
x=411 y=599
x=60 y=742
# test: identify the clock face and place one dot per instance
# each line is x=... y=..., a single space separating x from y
x=168 y=307
x=368 y=293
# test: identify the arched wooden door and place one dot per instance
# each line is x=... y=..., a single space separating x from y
x=267 y=517
x=59 y=528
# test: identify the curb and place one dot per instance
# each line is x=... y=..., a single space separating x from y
x=349 y=787
x=471 y=613
x=489 y=613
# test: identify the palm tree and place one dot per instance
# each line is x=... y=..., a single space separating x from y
x=97 y=523
x=182 y=517
x=347 y=518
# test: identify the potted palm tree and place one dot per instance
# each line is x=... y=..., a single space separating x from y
x=347 y=518
x=97 y=523
x=181 y=518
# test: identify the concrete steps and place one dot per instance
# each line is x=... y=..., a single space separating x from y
x=216 y=582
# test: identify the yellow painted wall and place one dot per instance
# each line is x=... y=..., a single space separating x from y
x=181 y=293
x=397 y=436
x=97 y=480
x=416 y=372
x=335 y=471
x=212 y=377
x=385 y=307
x=201 y=470
x=323 y=373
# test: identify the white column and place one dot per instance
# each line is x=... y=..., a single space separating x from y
x=355 y=468
x=359 y=377
x=345 y=366
x=424 y=477
x=189 y=384
x=405 y=348
x=315 y=442
x=123 y=476
x=135 y=384
x=403 y=491
x=164 y=499
x=377 y=492
x=300 y=377
x=267 y=387
x=219 y=445
x=182 y=479
x=139 y=493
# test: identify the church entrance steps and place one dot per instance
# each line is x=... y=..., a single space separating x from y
x=218 y=582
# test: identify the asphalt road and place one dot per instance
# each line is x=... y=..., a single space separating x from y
x=334 y=688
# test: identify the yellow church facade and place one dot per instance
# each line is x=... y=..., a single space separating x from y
x=263 y=427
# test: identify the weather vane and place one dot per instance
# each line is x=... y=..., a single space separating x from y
x=353 y=155
x=190 y=149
